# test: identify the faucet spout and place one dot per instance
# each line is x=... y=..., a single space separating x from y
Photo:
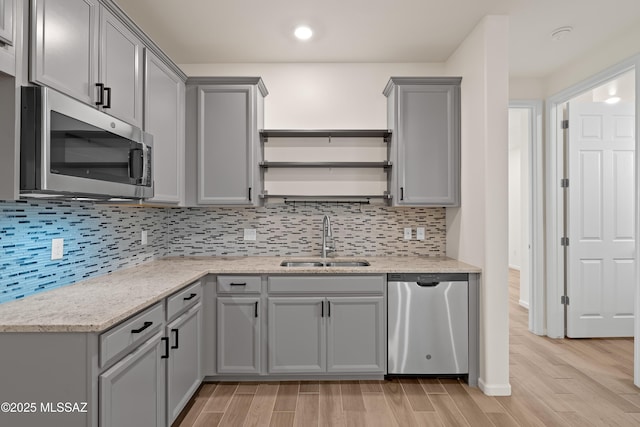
x=327 y=237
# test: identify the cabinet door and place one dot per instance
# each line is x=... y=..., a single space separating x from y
x=356 y=336
x=238 y=335
x=428 y=145
x=64 y=46
x=225 y=144
x=132 y=392
x=164 y=118
x=184 y=363
x=6 y=21
x=297 y=335
x=121 y=69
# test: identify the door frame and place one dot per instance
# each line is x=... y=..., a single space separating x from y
x=535 y=253
x=554 y=211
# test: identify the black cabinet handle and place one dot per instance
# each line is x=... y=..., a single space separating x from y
x=177 y=335
x=166 y=348
x=190 y=297
x=100 y=100
x=328 y=308
x=256 y=309
x=141 y=328
x=401 y=193
x=249 y=193
x=321 y=308
x=108 y=103
x=238 y=284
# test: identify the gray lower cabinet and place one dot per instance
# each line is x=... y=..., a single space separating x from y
x=424 y=114
x=238 y=333
x=323 y=325
x=132 y=392
x=229 y=116
x=184 y=363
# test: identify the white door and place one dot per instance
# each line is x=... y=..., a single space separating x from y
x=601 y=266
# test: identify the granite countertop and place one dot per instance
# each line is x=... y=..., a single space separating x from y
x=96 y=304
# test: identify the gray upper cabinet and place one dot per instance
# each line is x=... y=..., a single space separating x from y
x=424 y=114
x=132 y=392
x=97 y=49
x=6 y=22
x=164 y=118
x=230 y=114
x=68 y=64
x=121 y=62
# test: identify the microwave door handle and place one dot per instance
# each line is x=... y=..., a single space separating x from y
x=145 y=164
x=136 y=164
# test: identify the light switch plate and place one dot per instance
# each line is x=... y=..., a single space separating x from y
x=143 y=237
x=250 y=234
x=57 y=249
x=420 y=233
x=407 y=233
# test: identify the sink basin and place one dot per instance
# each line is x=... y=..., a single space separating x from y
x=324 y=264
x=347 y=264
x=301 y=264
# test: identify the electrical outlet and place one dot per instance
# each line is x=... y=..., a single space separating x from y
x=407 y=233
x=250 y=234
x=57 y=249
x=143 y=237
x=420 y=233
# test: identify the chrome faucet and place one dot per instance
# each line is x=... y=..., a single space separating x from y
x=327 y=237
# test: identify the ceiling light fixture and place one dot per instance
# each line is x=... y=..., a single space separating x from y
x=612 y=100
x=303 y=32
x=561 y=33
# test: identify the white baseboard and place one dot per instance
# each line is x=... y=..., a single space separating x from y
x=494 y=389
x=524 y=304
x=514 y=267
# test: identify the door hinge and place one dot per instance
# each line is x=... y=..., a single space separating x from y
x=564 y=241
x=564 y=124
x=564 y=300
x=564 y=183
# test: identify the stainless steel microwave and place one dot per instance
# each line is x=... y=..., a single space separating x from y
x=70 y=149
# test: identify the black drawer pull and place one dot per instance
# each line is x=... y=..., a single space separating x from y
x=108 y=102
x=321 y=308
x=328 y=308
x=141 y=328
x=177 y=332
x=238 y=284
x=190 y=297
x=166 y=348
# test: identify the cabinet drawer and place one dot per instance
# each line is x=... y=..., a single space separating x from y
x=181 y=300
x=239 y=284
x=130 y=333
x=326 y=284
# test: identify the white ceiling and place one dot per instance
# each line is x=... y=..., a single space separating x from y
x=206 y=31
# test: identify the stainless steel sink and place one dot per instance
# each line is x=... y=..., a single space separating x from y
x=347 y=264
x=324 y=264
x=301 y=264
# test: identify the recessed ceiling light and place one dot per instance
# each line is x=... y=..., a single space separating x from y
x=561 y=33
x=612 y=100
x=303 y=32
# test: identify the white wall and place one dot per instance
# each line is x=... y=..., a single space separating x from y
x=526 y=88
x=322 y=96
x=477 y=232
x=515 y=222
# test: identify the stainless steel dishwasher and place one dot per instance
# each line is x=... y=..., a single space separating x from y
x=428 y=324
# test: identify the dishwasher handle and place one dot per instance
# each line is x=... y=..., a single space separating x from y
x=428 y=284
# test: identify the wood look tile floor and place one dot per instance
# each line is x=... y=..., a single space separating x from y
x=587 y=382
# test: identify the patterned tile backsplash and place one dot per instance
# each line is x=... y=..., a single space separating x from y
x=99 y=239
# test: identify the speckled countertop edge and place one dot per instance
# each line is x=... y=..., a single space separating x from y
x=96 y=304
